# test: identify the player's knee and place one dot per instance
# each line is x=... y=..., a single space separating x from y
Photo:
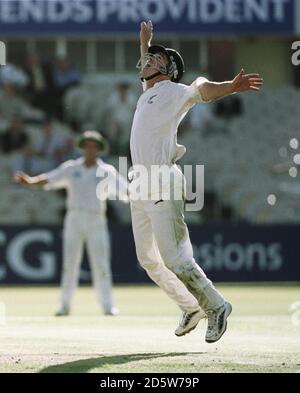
x=176 y=262
x=176 y=257
x=173 y=265
x=170 y=257
x=148 y=265
x=145 y=262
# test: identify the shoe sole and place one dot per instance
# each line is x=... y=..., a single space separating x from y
x=227 y=313
x=190 y=330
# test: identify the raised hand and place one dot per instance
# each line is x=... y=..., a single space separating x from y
x=245 y=82
x=146 y=33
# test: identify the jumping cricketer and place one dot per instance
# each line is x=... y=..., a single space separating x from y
x=161 y=236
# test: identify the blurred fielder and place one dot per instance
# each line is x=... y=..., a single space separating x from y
x=161 y=236
x=85 y=221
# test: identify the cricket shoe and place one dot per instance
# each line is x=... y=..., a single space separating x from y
x=63 y=312
x=217 y=322
x=112 y=312
x=189 y=321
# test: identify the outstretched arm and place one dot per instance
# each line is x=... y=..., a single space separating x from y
x=26 y=180
x=242 y=82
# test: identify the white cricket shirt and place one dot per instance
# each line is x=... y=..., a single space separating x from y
x=159 y=112
x=81 y=183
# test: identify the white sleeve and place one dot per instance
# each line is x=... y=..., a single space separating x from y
x=188 y=96
x=58 y=178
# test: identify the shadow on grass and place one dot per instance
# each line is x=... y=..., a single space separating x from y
x=85 y=365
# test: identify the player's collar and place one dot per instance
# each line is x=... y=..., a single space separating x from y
x=156 y=85
x=161 y=82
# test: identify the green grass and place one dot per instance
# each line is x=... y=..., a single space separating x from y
x=261 y=336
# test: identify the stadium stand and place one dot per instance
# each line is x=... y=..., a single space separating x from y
x=225 y=145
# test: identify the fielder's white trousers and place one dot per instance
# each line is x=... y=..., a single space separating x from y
x=165 y=251
x=90 y=228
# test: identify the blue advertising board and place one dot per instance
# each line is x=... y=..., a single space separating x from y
x=251 y=17
x=226 y=253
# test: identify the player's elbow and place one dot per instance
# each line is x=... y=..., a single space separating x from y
x=204 y=89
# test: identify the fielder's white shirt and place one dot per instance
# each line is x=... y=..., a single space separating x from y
x=81 y=183
x=159 y=112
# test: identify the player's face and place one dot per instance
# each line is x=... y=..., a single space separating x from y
x=150 y=64
x=91 y=150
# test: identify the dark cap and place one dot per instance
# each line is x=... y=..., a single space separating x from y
x=176 y=63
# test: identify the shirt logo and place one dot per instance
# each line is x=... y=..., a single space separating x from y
x=150 y=101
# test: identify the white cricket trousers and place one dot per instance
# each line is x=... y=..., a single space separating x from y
x=165 y=251
x=90 y=228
